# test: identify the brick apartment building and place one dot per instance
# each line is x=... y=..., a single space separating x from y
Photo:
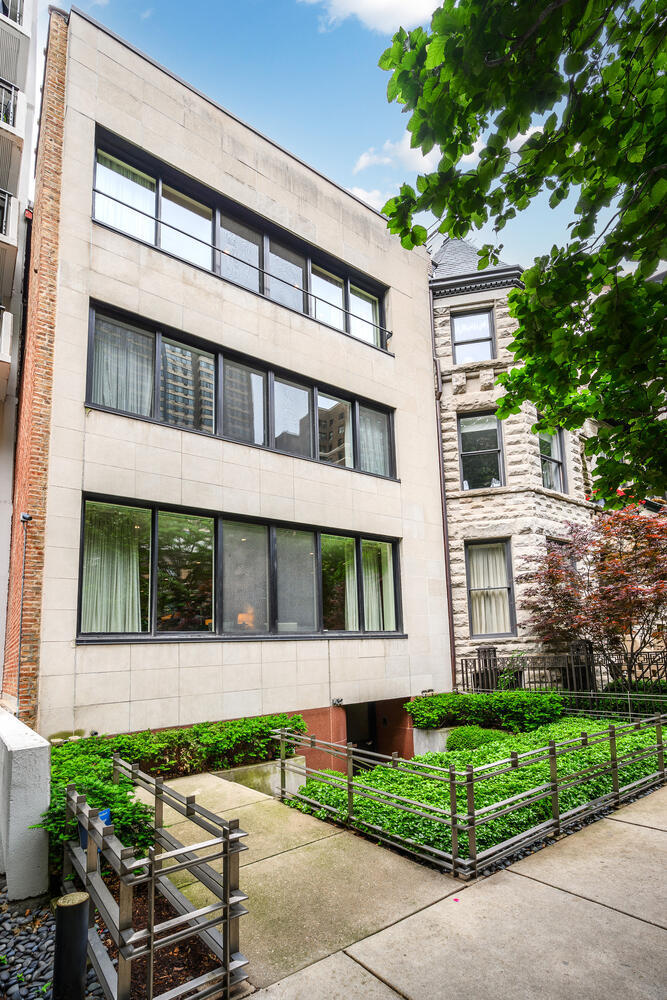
x=227 y=435
x=510 y=493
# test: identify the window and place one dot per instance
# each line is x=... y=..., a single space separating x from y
x=213 y=393
x=489 y=588
x=148 y=200
x=240 y=257
x=480 y=445
x=334 y=417
x=115 y=575
x=124 y=198
x=184 y=573
x=472 y=337
x=551 y=457
x=123 y=367
x=328 y=297
x=374 y=442
x=186 y=228
x=187 y=386
x=287 y=270
x=365 y=316
x=378 y=574
x=145 y=570
x=296 y=581
x=292 y=418
x=340 y=607
x=243 y=404
x=245 y=569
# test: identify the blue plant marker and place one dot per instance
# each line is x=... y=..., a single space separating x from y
x=105 y=816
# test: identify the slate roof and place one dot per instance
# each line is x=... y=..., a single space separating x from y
x=455 y=270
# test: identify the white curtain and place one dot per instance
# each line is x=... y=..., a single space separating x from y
x=111 y=591
x=123 y=368
x=378 y=569
x=374 y=441
x=351 y=601
x=489 y=597
x=129 y=187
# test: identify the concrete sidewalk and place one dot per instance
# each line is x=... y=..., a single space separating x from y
x=333 y=916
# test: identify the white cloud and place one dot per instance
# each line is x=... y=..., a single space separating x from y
x=375 y=198
x=399 y=154
x=145 y=14
x=378 y=15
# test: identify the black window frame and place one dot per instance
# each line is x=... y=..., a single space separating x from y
x=559 y=463
x=491 y=339
x=217 y=635
x=220 y=205
x=484 y=451
x=507 y=542
x=158 y=331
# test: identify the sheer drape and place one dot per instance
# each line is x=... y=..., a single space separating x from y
x=351 y=594
x=489 y=596
x=295 y=575
x=245 y=577
x=340 y=604
x=111 y=594
x=129 y=186
x=123 y=368
x=378 y=569
x=374 y=441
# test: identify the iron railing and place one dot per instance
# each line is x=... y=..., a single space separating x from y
x=458 y=817
x=310 y=300
x=165 y=858
x=5 y=202
x=13 y=9
x=8 y=98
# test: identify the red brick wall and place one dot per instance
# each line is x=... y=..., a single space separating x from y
x=34 y=415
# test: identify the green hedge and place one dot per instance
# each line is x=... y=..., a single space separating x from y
x=170 y=753
x=515 y=710
x=422 y=789
x=471 y=737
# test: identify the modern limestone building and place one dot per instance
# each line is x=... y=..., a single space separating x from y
x=18 y=29
x=227 y=430
x=510 y=493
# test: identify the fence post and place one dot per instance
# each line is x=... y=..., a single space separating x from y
x=394 y=759
x=230 y=889
x=282 y=765
x=470 y=801
x=150 y=922
x=661 y=747
x=159 y=816
x=116 y=771
x=71 y=945
x=454 y=817
x=553 y=767
x=350 y=776
x=614 y=765
x=125 y=899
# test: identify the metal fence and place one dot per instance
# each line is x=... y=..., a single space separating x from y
x=457 y=814
x=165 y=858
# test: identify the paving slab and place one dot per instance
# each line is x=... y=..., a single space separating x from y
x=335 y=978
x=315 y=900
x=616 y=864
x=651 y=810
x=512 y=938
x=214 y=793
x=271 y=827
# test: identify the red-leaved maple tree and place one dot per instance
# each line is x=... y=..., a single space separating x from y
x=608 y=585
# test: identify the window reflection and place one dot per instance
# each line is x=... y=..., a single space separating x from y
x=245 y=576
x=187 y=386
x=185 y=573
x=187 y=217
x=292 y=418
x=334 y=417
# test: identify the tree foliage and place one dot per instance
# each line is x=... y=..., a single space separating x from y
x=608 y=585
x=568 y=96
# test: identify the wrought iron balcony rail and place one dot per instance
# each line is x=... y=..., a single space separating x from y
x=381 y=335
x=8 y=98
x=5 y=200
x=13 y=9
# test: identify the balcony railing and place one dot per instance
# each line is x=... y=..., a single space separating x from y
x=13 y=9
x=5 y=201
x=8 y=99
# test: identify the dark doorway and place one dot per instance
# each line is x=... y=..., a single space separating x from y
x=361 y=725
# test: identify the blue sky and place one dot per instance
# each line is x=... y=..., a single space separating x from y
x=305 y=73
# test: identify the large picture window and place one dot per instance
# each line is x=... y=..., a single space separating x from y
x=481 y=452
x=490 y=588
x=150 y=571
x=144 y=198
x=472 y=337
x=123 y=375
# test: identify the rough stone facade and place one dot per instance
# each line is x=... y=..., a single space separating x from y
x=522 y=510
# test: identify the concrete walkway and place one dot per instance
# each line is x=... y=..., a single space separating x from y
x=335 y=917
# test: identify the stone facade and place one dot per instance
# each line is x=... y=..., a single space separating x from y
x=521 y=510
x=113 y=686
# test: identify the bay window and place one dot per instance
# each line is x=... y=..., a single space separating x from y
x=481 y=451
x=150 y=571
x=490 y=601
x=551 y=459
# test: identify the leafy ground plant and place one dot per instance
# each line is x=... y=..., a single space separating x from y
x=514 y=710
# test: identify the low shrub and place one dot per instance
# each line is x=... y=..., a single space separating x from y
x=471 y=737
x=517 y=711
x=88 y=764
x=421 y=788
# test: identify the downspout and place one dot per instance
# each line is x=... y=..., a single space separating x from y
x=443 y=500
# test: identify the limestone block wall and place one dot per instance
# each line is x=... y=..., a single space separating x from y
x=521 y=510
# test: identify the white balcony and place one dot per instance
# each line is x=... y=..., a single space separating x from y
x=13 y=109
x=6 y=332
x=9 y=228
x=16 y=27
